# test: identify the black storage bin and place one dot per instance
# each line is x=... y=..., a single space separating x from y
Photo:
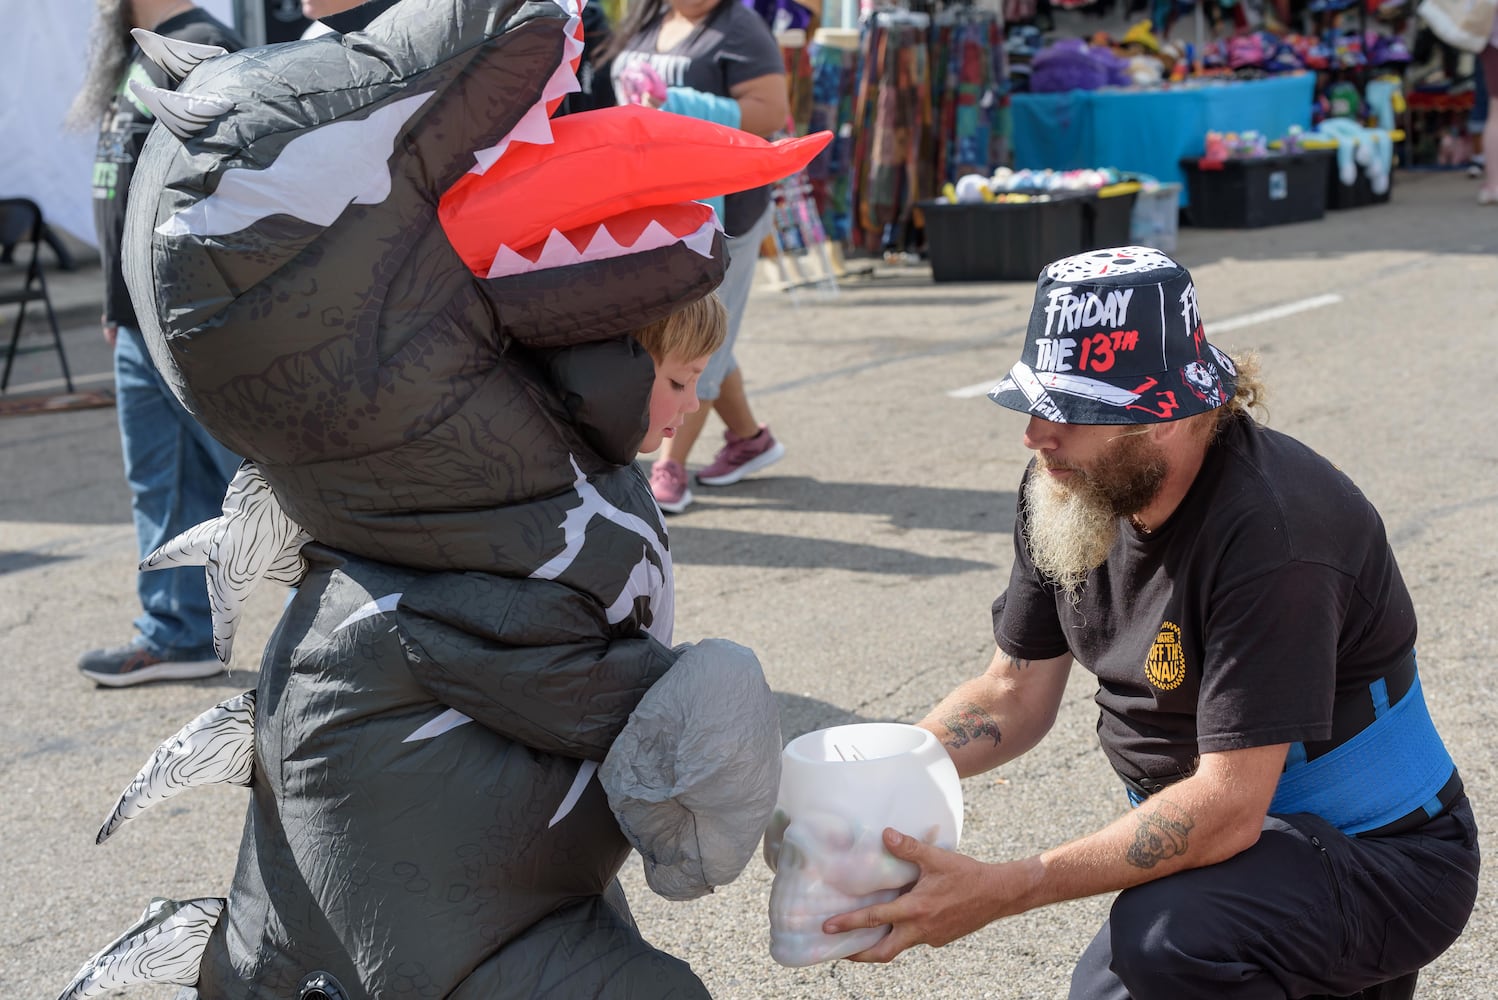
x=1264 y=191
x=1109 y=221
x=1002 y=241
x=1354 y=195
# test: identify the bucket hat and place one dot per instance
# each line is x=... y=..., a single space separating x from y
x=1115 y=337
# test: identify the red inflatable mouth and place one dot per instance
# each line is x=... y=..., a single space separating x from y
x=604 y=164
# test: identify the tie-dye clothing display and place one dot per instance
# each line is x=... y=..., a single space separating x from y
x=834 y=88
x=894 y=136
x=970 y=87
x=930 y=103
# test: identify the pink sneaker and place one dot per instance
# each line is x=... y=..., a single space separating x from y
x=741 y=456
x=668 y=481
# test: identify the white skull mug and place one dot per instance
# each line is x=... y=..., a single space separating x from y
x=839 y=789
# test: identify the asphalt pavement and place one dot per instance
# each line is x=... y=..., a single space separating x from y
x=860 y=569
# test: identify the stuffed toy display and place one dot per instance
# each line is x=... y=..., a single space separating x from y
x=383 y=274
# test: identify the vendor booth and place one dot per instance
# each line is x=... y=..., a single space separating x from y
x=1151 y=131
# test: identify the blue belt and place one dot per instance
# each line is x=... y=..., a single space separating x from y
x=1393 y=767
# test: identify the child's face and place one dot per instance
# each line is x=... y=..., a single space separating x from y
x=672 y=398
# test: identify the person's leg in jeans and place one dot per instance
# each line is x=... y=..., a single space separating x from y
x=177 y=474
x=1344 y=913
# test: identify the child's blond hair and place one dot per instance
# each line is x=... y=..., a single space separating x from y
x=694 y=331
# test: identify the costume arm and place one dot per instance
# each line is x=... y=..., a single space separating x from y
x=999 y=715
x=1201 y=820
x=533 y=660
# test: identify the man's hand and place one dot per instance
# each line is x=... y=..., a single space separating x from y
x=953 y=896
x=110 y=330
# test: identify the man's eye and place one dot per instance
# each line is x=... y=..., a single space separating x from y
x=678 y=386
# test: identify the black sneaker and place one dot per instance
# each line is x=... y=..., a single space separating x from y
x=132 y=663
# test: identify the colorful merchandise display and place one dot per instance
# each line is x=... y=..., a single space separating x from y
x=1143 y=100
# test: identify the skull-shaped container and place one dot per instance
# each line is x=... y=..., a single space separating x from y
x=839 y=789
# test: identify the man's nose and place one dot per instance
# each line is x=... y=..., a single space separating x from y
x=693 y=406
x=1040 y=435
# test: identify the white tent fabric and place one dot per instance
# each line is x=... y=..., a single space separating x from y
x=43 y=56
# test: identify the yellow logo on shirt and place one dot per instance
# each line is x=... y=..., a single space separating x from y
x=1166 y=666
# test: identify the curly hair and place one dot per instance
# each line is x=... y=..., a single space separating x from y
x=109 y=48
x=1249 y=400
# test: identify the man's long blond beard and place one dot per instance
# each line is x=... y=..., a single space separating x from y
x=1071 y=527
x=1069 y=532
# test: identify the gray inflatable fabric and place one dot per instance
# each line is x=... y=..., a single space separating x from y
x=441 y=460
x=694 y=775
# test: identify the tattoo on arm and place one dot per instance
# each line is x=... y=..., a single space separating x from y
x=1161 y=834
x=969 y=723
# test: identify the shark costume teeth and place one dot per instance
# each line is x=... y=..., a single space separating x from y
x=176 y=57
x=216 y=748
x=578 y=246
x=184 y=115
x=164 y=947
x=253 y=540
x=535 y=127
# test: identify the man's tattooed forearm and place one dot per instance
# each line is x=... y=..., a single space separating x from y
x=969 y=723
x=1161 y=834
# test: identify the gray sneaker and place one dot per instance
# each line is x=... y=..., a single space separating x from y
x=132 y=663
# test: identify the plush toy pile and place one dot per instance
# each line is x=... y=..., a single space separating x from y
x=1007 y=185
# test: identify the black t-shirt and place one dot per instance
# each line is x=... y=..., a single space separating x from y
x=1262 y=608
x=729 y=47
x=121 y=135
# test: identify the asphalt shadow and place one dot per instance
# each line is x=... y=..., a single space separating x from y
x=800 y=715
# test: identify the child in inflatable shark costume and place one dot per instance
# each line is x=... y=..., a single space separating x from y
x=381 y=273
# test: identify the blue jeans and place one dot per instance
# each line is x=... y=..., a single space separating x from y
x=177 y=476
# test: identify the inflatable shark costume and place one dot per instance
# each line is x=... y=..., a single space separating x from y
x=383 y=274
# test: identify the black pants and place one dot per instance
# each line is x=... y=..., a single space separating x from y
x=1304 y=911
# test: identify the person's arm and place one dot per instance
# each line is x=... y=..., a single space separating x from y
x=764 y=104
x=995 y=717
x=1201 y=820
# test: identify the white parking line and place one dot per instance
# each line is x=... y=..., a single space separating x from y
x=1221 y=326
x=1275 y=312
x=57 y=383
